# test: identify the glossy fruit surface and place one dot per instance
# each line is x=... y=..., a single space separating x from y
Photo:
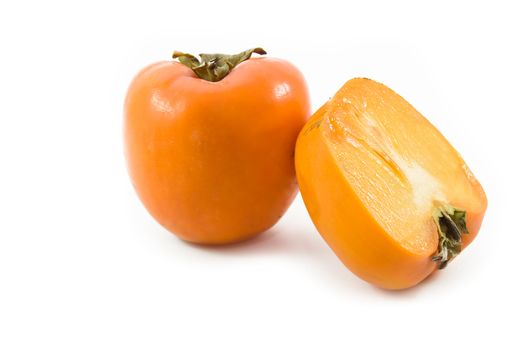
x=388 y=193
x=213 y=161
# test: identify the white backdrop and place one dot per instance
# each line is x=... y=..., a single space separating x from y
x=82 y=264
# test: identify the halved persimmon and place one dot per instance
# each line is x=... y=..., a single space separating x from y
x=388 y=193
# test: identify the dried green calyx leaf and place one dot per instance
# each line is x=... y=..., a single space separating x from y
x=214 y=67
x=451 y=225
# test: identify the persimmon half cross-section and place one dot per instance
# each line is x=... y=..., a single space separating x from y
x=388 y=193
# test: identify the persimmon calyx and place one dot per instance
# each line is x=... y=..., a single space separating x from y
x=451 y=225
x=214 y=67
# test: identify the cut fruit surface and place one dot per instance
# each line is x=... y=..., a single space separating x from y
x=393 y=175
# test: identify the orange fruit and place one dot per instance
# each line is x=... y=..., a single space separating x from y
x=388 y=193
x=210 y=143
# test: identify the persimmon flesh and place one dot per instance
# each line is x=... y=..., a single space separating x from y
x=389 y=194
x=210 y=143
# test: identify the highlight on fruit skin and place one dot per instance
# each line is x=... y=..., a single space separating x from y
x=209 y=142
x=388 y=193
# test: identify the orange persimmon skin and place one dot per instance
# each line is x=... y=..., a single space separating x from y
x=347 y=225
x=213 y=162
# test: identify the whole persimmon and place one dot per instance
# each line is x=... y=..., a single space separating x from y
x=210 y=142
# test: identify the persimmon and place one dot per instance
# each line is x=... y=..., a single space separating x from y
x=209 y=142
x=388 y=193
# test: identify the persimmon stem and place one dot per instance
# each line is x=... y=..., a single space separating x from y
x=214 y=67
x=451 y=224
